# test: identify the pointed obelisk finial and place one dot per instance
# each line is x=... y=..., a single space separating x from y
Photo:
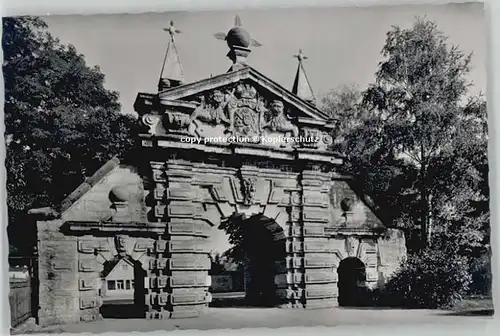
x=301 y=86
x=172 y=73
x=238 y=41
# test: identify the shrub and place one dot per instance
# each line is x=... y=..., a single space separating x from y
x=480 y=269
x=429 y=279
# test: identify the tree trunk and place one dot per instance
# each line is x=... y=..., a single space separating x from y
x=424 y=202
x=424 y=217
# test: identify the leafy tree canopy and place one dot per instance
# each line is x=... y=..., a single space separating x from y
x=61 y=123
x=417 y=140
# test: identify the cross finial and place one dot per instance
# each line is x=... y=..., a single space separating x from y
x=172 y=30
x=171 y=71
x=300 y=56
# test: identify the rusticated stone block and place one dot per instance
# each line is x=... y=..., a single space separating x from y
x=187 y=227
x=188 y=297
x=187 y=246
x=159 y=210
x=310 y=214
x=151 y=299
x=188 y=279
x=318 y=260
x=159 y=192
x=320 y=276
x=87 y=246
x=321 y=291
x=318 y=245
x=186 y=193
x=189 y=262
x=160 y=245
x=159 y=176
x=321 y=303
x=89 y=302
x=314 y=231
x=90 y=315
x=312 y=181
x=312 y=198
x=87 y=283
x=63 y=264
x=181 y=209
x=159 y=282
x=102 y=245
x=159 y=263
x=184 y=312
x=295 y=247
x=162 y=299
x=89 y=265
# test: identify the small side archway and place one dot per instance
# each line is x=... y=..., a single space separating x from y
x=351 y=282
x=122 y=288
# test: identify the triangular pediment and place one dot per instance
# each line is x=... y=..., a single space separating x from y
x=240 y=104
x=257 y=85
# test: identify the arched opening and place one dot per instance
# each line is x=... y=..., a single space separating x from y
x=351 y=282
x=258 y=243
x=122 y=291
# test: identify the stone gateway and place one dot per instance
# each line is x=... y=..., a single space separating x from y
x=300 y=217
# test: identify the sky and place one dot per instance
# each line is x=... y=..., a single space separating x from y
x=342 y=44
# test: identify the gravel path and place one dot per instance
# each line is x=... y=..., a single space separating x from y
x=235 y=318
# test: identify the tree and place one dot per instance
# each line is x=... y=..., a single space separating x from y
x=61 y=122
x=359 y=138
x=417 y=114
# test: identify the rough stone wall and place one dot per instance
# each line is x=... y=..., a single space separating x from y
x=58 y=275
x=95 y=205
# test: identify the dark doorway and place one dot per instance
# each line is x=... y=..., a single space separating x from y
x=264 y=244
x=351 y=282
x=260 y=243
x=123 y=292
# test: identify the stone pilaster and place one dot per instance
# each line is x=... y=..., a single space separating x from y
x=320 y=260
x=58 y=275
x=180 y=278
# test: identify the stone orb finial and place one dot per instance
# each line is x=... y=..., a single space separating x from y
x=346 y=204
x=124 y=193
x=238 y=37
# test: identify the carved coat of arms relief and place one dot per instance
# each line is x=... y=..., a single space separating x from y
x=242 y=112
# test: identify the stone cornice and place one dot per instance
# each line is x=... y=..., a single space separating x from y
x=89 y=227
x=345 y=231
x=173 y=141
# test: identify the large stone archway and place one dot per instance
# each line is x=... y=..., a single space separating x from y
x=201 y=194
x=165 y=197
